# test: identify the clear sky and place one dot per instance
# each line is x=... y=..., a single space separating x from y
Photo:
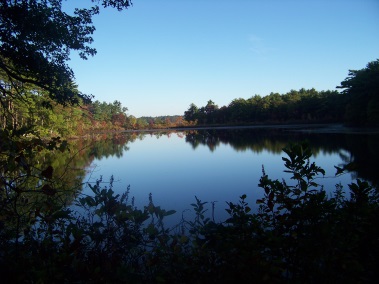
x=158 y=57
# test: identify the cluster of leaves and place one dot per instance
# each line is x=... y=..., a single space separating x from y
x=298 y=235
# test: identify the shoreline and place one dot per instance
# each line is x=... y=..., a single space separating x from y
x=308 y=128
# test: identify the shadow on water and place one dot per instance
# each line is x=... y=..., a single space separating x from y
x=357 y=148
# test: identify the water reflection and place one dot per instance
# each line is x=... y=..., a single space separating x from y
x=217 y=164
x=213 y=164
x=359 y=149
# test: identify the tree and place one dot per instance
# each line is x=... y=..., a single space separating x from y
x=362 y=89
x=36 y=39
x=238 y=109
x=119 y=120
x=190 y=114
x=210 y=109
x=131 y=121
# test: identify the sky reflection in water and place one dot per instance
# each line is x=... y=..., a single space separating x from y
x=174 y=172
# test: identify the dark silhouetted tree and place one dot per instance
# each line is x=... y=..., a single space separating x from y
x=36 y=39
x=362 y=89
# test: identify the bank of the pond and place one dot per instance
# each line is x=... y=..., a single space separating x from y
x=311 y=128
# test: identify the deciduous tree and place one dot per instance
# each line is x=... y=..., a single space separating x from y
x=36 y=40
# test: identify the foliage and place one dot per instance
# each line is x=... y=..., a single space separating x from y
x=362 y=89
x=36 y=39
x=30 y=112
x=294 y=106
x=298 y=235
x=159 y=122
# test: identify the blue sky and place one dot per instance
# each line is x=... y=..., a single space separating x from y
x=158 y=57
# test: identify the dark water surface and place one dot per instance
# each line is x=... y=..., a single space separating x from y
x=222 y=164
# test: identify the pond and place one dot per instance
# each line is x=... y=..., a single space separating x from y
x=220 y=164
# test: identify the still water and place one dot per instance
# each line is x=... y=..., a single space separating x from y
x=219 y=165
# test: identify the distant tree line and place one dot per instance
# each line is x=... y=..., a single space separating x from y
x=165 y=121
x=294 y=106
x=357 y=104
x=28 y=107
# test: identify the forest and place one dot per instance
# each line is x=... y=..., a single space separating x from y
x=51 y=233
x=357 y=104
x=302 y=106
